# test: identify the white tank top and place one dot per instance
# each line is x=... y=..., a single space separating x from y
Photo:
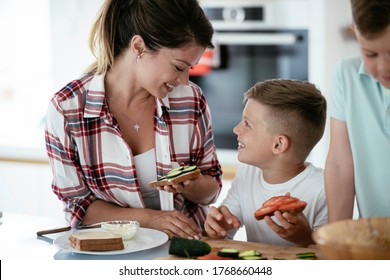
x=145 y=164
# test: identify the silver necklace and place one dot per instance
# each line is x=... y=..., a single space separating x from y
x=137 y=126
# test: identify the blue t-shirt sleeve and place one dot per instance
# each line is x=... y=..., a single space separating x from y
x=337 y=103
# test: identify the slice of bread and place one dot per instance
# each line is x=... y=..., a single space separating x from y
x=96 y=241
x=177 y=176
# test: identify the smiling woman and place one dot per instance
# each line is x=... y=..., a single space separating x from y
x=132 y=116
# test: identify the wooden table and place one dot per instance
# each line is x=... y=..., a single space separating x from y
x=268 y=251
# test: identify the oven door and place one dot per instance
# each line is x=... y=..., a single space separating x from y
x=244 y=59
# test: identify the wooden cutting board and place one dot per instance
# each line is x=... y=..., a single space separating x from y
x=269 y=251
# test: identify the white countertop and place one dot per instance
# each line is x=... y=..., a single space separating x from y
x=19 y=242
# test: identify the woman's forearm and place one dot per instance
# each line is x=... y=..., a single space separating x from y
x=100 y=211
x=203 y=191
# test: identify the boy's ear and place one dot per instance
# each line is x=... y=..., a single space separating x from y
x=281 y=144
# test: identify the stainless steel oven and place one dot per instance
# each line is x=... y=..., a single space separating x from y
x=255 y=40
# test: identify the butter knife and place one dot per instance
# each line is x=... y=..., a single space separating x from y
x=63 y=229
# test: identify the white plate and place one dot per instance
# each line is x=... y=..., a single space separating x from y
x=144 y=239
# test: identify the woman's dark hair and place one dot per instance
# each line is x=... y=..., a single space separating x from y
x=161 y=23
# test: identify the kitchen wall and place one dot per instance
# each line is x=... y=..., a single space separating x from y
x=39 y=56
x=329 y=42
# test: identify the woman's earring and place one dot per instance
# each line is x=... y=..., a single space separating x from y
x=140 y=54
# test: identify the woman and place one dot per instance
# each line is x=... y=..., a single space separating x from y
x=134 y=116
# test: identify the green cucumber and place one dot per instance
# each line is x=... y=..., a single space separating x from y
x=189 y=248
x=228 y=252
x=306 y=256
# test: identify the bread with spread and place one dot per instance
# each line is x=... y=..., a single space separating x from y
x=177 y=176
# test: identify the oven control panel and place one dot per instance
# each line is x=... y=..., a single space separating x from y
x=257 y=15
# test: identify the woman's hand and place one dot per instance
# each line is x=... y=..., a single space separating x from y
x=174 y=223
x=202 y=190
x=219 y=221
x=171 y=222
x=293 y=228
x=186 y=186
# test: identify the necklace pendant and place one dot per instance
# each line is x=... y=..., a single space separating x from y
x=137 y=127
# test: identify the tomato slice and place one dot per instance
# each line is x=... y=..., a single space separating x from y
x=265 y=211
x=283 y=203
x=294 y=206
x=280 y=200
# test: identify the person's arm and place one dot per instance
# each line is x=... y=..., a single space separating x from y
x=201 y=190
x=173 y=223
x=67 y=184
x=339 y=173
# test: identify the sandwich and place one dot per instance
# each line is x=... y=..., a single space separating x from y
x=283 y=203
x=96 y=241
x=177 y=176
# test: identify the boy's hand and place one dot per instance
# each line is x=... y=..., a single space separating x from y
x=219 y=221
x=293 y=228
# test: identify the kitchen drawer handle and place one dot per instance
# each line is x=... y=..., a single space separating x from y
x=233 y=38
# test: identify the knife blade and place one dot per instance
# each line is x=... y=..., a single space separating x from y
x=63 y=229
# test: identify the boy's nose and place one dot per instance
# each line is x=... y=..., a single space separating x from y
x=236 y=129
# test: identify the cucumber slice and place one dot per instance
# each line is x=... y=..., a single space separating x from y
x=254 y=258
x=306 y=256
x=248 y=253
x=162 y=178
x=180 y=168
x=190 y=169
x=174 y=174
x=228 y=252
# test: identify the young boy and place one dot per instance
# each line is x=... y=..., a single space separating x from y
x=359 y=109
x=282 y=121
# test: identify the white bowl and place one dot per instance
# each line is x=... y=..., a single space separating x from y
x=126 y=229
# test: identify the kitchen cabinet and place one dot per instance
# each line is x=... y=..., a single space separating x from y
x=26 y=188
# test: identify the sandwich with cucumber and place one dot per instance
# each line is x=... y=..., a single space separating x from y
x=177 y=176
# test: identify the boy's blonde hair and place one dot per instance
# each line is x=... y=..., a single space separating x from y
x=296 y=109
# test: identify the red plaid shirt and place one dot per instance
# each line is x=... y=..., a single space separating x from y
x=90 y=159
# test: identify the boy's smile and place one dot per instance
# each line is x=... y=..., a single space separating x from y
x=254 y=139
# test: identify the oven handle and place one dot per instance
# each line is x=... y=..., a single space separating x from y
x=232 y=38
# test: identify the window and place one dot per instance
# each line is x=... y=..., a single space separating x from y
x=44 y=45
